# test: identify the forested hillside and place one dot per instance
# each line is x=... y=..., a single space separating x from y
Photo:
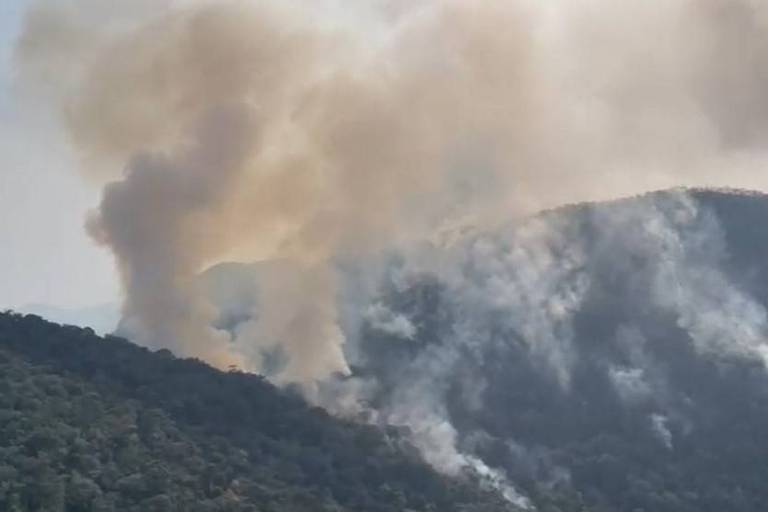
x=92 y=424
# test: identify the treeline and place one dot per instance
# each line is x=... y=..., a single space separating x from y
x=91 y=424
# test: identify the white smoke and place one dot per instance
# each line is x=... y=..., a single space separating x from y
x=383 y=319
x=685 y=251
x=661 y=430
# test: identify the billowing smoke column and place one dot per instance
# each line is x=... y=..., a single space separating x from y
x=233 y=130
x=148 y=219
x=242 y=130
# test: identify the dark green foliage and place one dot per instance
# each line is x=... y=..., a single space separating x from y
x=88 y=424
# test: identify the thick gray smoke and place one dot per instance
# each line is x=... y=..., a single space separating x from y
x=360 y=128
x=318 y=137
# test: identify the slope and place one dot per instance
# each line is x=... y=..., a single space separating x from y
x=610 y=353
x=92 y=424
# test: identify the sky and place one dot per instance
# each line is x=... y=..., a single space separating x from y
x=45 y=255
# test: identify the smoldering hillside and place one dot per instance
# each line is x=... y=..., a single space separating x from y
x=615 y=352
x=610 y=353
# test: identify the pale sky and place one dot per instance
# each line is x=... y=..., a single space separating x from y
x=45 y=255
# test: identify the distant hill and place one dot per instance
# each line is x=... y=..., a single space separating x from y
x=99 y=424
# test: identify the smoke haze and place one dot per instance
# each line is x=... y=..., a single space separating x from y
x=321 y=138
x=246 y=130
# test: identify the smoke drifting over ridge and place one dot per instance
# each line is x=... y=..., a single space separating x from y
x=561 y=327
x=243 y=131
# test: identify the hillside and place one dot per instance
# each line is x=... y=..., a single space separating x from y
x=614 y=353
x=92 y=424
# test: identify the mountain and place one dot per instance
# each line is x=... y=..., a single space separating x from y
x=100 y=424
x=611 y=354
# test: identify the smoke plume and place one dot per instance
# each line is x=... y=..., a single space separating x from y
x=300 y=132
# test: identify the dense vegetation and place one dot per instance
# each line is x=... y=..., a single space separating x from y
x=92 y=424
